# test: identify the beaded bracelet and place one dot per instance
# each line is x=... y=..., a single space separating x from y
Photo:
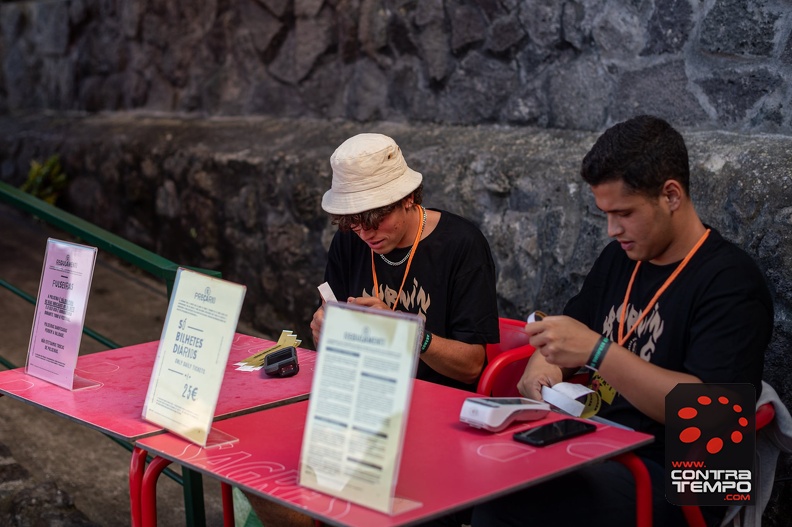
x=598 y=354
x=427 y=339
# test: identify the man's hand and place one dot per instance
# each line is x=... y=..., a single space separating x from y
x=562 y=341
x=316 y=324
x=318 y=318
x=368 y=301
x=565 y=344
x=538 y=373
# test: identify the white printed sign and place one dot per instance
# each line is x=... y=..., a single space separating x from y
x=192 y=354
x=60 y=313
x=357 y=413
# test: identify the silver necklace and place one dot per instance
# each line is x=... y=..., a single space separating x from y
x=396 y=264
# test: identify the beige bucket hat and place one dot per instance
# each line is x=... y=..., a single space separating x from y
x=369 y=171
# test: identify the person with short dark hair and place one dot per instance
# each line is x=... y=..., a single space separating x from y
x=669 y=301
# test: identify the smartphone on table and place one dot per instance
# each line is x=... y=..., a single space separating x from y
x=554 y=432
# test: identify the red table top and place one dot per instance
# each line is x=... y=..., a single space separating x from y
x=115 y=406
x=446 y=465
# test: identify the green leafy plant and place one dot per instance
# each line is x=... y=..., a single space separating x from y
x=45 y=180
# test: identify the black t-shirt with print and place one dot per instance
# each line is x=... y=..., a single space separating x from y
x=714 y=321
x=451 y=283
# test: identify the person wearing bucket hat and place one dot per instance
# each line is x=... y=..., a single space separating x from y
x=392 y=253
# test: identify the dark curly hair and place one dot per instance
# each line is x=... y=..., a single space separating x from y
x=644 y=152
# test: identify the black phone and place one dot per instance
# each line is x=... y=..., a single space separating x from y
x=550 y=433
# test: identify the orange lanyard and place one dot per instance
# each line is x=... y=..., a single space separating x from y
x=682 y=264
x=409 y=261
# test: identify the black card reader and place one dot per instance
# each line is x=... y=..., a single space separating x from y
x=281 y=363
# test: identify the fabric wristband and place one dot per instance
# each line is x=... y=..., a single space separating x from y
x=598 y=354
x=427 y=339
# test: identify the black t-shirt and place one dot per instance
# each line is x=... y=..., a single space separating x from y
x=451 y=283
x=714 y=321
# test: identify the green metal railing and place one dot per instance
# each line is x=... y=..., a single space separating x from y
x=141 y=258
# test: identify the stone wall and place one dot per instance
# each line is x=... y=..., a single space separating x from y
x=577 y=64
x=238 y=105
x=242 y=195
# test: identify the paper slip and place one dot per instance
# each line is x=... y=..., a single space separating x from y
x=566 y=396
x=327 y=293
x=256 y=362
x=536 y=316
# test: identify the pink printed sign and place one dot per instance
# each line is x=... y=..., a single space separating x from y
x=60 y=312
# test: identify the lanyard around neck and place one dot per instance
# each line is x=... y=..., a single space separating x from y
x=409 y=261
x=682 y=264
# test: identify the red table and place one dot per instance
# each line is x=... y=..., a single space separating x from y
x=446 y=465
x=115 y=406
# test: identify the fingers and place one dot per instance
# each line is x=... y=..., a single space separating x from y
x=316 y=324
x=538 y=373
x=531 y=391
x=368 y=301
x=532 y=328
x=532 y=387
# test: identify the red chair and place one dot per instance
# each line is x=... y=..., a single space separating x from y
x=499 y=378
x=511 y=336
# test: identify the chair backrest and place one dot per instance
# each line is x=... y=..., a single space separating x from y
x=504 y=370
x=511 y=336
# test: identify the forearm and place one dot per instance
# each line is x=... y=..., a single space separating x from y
x=457 y=360
x=643 y=384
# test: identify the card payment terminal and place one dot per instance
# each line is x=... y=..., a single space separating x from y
x=496 y=413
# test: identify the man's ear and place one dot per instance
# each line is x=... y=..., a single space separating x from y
x=672 y=192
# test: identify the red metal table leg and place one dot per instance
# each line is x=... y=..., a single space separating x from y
x=643 y=488
x=228 y=504
x=137 y=466
x=148 y=502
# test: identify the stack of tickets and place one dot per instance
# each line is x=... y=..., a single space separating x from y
x=256 y=361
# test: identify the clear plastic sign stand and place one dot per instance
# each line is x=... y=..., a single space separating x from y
x=191 y=358
x=357 y=412
x=60 y=314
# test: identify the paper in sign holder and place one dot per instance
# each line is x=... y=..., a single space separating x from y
x=192 y=354
x=60 y=314
x=357 y=413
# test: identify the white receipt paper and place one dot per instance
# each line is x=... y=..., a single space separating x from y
x=327 y=293
x=564 y=396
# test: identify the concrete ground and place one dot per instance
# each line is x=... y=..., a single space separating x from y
x=47 y=462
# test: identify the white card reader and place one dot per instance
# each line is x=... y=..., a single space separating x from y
x=496 y=413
